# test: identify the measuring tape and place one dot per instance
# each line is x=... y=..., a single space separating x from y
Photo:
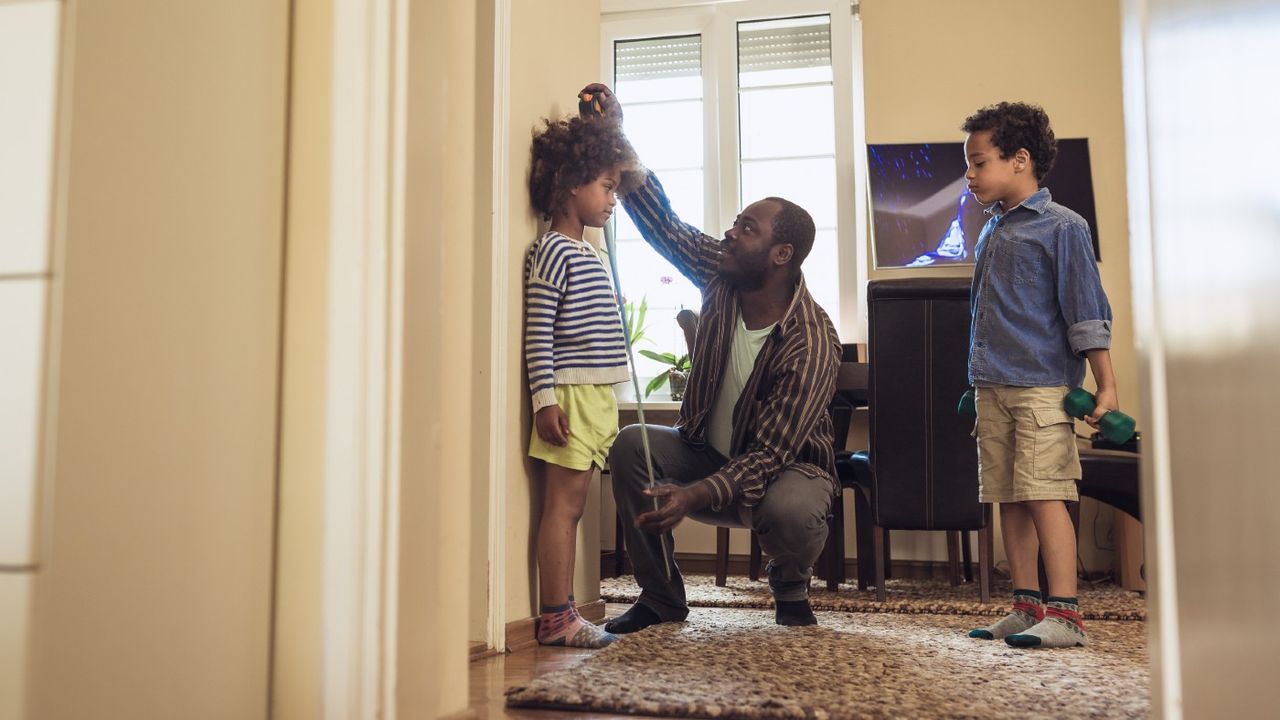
x=588 y=105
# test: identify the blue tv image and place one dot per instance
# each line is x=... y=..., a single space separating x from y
x=922 y=215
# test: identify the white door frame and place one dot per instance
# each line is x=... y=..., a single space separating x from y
x=364 y=315
x=370 y=45
x=499 y=353
x=1157 y=469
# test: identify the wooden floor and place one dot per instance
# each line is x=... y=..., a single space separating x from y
x=491 y=676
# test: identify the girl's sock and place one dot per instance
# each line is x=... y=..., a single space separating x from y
x=562 y=625
x=1061 y=627
x=1027 y=611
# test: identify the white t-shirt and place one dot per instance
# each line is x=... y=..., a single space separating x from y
x=742 y=360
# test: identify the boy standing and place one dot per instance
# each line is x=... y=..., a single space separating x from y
x=1038 y=311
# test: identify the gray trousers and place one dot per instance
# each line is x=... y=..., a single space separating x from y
x=790 y=521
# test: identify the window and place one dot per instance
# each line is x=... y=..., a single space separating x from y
x=786 y=110
x=29 y=49
x=660 y=80
x=730 y=103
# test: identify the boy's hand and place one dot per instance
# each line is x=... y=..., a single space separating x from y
x=553 y=425
x=1106 y=401
x=679 y=501
x=609 y=104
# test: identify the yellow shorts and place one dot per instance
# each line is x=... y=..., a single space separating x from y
x=592 y=411
x=1026 y=445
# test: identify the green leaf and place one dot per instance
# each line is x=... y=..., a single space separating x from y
x=655 y=383
x=635 y=319
x=640 y=326
x=664 y=358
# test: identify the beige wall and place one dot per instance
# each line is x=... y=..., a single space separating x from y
x=297 y=670
x=439 y=448
x=482 y=299
x=928 y=64
x=545 y=77
x=154 y=600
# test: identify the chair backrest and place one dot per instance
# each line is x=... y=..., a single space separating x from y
x=688 y=322
x=923 y=457
x=851 y=392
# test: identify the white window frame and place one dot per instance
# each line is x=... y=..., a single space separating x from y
x=716 y=21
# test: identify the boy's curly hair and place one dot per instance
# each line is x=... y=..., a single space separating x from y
x=1018 y=125
x=570 y=153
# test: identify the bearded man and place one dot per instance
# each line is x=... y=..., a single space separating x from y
x=753 y=443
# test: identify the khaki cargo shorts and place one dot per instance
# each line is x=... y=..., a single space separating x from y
x=1026 y=445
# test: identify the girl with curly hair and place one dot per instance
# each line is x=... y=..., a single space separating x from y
x=574 y=347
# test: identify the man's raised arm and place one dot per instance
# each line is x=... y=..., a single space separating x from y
x=694 y=253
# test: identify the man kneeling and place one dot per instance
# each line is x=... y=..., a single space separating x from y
x=752 y=445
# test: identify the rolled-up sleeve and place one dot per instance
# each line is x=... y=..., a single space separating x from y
x=1085 y=307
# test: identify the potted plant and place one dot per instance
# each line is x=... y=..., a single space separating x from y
x=677 y=373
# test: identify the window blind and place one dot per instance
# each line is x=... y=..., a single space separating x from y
x=657 y=58
x=784 y=45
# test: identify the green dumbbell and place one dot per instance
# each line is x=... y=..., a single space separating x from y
x=968 y=403
x=1115 y=425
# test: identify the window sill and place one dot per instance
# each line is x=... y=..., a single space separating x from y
x=659 y=400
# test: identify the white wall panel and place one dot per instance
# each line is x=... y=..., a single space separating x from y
x=1204 y=261
x=15 y=602
x=28 y=87
x=22 y=321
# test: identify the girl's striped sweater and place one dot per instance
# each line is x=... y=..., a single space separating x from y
x=573 y=335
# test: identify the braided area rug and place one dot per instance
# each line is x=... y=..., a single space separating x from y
x=730 y=663
x=906 y=596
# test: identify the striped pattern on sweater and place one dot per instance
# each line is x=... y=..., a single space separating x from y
x=781 y=421
x=573 y=335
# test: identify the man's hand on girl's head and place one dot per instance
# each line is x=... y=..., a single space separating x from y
x=609 y=104
x=552 y=425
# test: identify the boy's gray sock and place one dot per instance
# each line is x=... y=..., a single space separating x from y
x=1060 y=628
x=1027 y=611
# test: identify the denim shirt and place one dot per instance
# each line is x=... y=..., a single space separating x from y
x=1037 y=300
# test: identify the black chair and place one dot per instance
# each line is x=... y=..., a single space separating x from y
x=921 y=471
x=1111 y=477
x=851 y=393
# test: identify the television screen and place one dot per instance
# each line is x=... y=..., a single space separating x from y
x=922 y=216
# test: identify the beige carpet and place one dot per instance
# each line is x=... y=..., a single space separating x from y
x=728 y=663
x=1103 y=602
